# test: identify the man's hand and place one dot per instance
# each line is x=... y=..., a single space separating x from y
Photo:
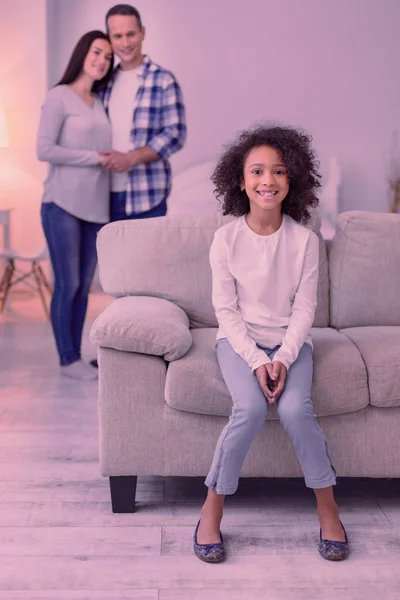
x=118 y=162
x=277 y=375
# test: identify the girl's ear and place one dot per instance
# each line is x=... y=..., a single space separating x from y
x=242 y=186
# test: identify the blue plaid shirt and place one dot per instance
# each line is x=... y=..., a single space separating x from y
x=158 y=121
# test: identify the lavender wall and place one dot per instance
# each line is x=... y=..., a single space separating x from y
x=330 y=66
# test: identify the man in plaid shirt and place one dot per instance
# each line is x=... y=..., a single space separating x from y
x=145 y=106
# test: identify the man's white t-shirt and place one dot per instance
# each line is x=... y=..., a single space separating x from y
x=120 y=110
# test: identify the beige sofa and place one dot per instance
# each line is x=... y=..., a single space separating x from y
x=162 y=400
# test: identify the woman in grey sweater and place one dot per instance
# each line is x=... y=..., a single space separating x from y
x=74 y=130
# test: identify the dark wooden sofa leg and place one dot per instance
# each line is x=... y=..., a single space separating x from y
x=123 y=490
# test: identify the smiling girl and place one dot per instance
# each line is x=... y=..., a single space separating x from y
x=265 y=274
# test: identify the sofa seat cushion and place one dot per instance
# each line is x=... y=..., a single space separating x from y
x=380 y=348
x=194 y=382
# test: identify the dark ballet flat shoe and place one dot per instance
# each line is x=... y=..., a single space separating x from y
x=330 y=550
x=211 y=553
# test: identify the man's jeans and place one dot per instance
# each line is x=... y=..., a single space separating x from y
x=118 y=213
x=72 y=246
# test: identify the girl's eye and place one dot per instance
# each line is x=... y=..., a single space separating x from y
x=280 y=172
x=256 y=172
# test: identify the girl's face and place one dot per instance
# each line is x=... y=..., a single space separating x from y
x=98 y=59
x=265 y=178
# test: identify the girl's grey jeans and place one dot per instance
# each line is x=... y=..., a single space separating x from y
x=248 y=415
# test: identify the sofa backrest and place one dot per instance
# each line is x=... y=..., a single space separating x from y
x=167 y=257
x=364 y=267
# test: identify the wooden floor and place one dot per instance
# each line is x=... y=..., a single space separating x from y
x=59 y=539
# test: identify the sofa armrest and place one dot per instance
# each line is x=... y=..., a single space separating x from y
x=131 y=413
x=143 y=324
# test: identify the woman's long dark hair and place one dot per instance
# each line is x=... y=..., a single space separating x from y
x=75 y=64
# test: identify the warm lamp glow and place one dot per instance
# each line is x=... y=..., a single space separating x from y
x=4 y=141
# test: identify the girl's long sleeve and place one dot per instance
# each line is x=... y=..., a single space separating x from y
x=224 y=299
x=304 y=305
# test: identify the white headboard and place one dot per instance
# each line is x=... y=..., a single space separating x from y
x=192 y=190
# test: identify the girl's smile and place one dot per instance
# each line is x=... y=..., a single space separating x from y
x=267 y=194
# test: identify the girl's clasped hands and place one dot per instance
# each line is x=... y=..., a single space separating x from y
x=271 y=377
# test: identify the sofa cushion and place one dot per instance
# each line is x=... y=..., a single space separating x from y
x=364 y=259
x=168 y=257
x=380 y=349
x=194 y=382
x=340 y=382
x=144 y=325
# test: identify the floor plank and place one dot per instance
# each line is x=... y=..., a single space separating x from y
x=390 y=508
x=266 y=593
x=58 y=434
x=55 y=453
x=64 y=470
x=74 y=541
x=166 y=572
x=291 y=540
x=98 y=514
x=80 y=595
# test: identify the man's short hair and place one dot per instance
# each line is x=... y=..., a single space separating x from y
x=124 y=9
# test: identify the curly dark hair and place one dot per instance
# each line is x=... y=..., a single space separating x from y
x=298 y=156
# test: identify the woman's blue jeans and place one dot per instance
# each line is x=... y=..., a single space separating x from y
x=248 y=417
x=72 y=247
